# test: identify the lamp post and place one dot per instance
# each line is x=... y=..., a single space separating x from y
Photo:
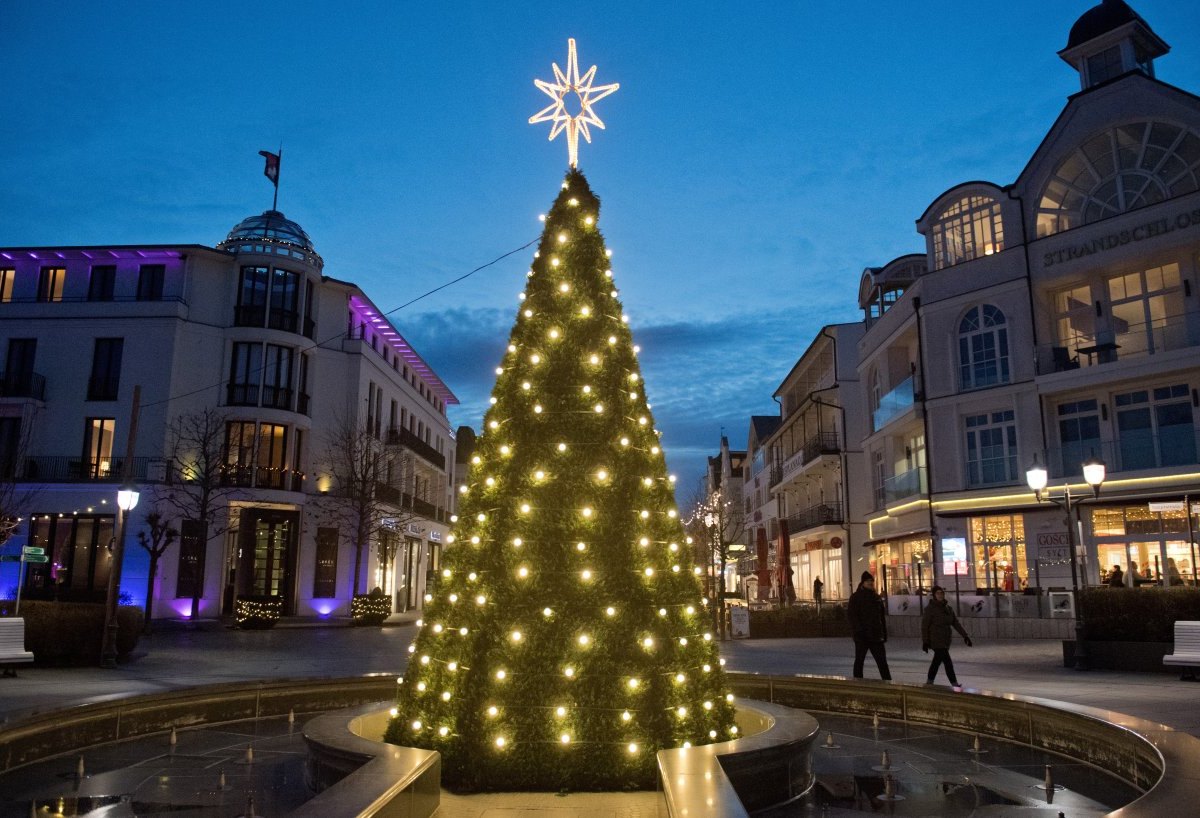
x=1037 y=477
x=714 y=593
x=127 y=500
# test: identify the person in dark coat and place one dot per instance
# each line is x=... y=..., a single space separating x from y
x=818 y=588
x=1116 y=577
x=868 y=622
x=936 y=623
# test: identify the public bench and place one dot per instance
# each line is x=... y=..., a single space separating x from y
x=1186 y=654
x=12 y=644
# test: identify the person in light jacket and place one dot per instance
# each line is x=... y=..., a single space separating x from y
x=936 y=623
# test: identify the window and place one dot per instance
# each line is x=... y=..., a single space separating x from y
x=284 y=300
x=998 y=544
x=100 y=285
x=272 y=451
x=245 y=373
x=105 y=381
x=969 y=228
x=11 y=448
x=19 y=378
x=879 y=473
x=1118 y=170
x=302 y=398
x=1079 y=434
x=79 y=561
x=239 y=452
x=310 y=324
x=1074 y=318
x=50 y=284
x=983 y=348
x=252 y=298
x=325 y=570
x=1105 y=65
x=7 y=276
x=1142 y=315
x=150 y=282
x=277 y=383
x=1155 y=427
x=97 y=448
x=190 y=577
x=991 y=448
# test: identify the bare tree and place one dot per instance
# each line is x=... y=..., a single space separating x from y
x=156 y=542
x=367 y=480
x=199 y=485
x=717 y=526
x=16 y=497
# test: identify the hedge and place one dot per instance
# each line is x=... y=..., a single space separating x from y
x=72 y=633
x=802 y=620
x=1137 y=614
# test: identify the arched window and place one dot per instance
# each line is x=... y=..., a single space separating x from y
x=982 y=348
x=1119 y=170
x=967 y=229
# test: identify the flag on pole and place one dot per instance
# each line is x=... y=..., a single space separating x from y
x=271 y=171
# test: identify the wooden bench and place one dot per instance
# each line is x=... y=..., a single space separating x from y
x=1186 y=654
x=12 y=644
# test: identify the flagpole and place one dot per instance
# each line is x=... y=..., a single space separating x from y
x=275 y=201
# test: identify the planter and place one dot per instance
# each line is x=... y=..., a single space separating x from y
x=1146 y=657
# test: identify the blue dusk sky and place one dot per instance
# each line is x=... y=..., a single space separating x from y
x=758 y=155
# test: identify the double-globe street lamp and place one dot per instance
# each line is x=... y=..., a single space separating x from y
x=127 y=499
x=1037 y=477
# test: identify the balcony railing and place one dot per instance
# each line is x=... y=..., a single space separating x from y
x=285 y=320
x=246 y=316
x=263 y=477
x=904 y=485
x=893 y=404
x=814 y=447
x=82 y=470
x=1131 y=451
x=821 y=514
x=399 y=436
x=23 y=385
x=1121 y=343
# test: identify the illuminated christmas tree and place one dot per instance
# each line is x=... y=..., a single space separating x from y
x=567 y=640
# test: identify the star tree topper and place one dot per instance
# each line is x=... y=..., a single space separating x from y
x=556 y=112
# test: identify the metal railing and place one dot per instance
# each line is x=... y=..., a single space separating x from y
x=58 y=469
x=895 y=403
x=821 y=514
x=23 y=385
x=400 y=436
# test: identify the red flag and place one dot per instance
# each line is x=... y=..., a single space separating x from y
x=271 y=171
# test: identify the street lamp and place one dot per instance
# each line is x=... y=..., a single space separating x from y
x=1037 y=477
x=127 y=500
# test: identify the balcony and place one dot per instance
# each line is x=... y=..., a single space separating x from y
x=904 y=486
x=244 y=316
x=81 y=470
x=263 y=477
x=1124 y=342
x=817 y=445
x=241 y=394
x=277 y=397
x=23 y=385
x=399 y=436
x=1133 y=450
x=894 y=404
x=818 y=515
x=285 y=320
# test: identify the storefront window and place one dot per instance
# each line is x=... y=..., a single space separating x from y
x=1151 y=547
x=908 y=564
x=998 y=550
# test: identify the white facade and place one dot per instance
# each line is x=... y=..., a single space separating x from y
x=1055 y=318
x=284 y=357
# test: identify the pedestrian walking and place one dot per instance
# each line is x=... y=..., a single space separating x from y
x=936 y=623
x=868 y=622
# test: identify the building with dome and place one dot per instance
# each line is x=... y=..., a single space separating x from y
x=1051 y=319
x=286 y=428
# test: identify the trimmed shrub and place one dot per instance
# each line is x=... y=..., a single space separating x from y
x=72 y=633
x=256 y=613
x=1137 y=614
x=801 y=620
x=370 y=609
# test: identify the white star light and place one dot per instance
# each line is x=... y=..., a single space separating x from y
x=556 y=112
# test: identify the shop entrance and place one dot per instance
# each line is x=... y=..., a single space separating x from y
x=266 y=559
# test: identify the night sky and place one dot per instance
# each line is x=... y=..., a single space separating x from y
x=757 y=157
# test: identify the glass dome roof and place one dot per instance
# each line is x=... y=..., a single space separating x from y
x=272 y=226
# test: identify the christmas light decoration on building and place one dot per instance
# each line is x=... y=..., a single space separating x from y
x=556 y=112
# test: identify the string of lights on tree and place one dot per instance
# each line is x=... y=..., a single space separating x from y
x=566 y=640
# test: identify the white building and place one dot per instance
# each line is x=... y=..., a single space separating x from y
x=284 y=357
x=1055 y=318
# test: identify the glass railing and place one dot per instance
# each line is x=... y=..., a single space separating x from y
x=893 y=404
x=1133 y=450
x=904 y=485
x=1120 y=343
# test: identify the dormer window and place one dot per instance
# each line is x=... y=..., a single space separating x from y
x=967 y=229
x=1105 y=65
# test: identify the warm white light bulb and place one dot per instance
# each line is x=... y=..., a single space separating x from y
x=493 y=711
x=569 y=672
x=586 y=511
x=649 y=572
x=480 y=600
x=633 y=684
x=560 y=711
x=602 y=475
x=681 y=711
x=610 y=611
x=547 y=612
x=594 y=360
x=562 y=447
x=626 y=716
x=522 y=572
x=680 y=678
x=584 y=639
x=516 y=636
x=445 y=695
x=581 y=546
x=501 y=675
x=586 y=574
